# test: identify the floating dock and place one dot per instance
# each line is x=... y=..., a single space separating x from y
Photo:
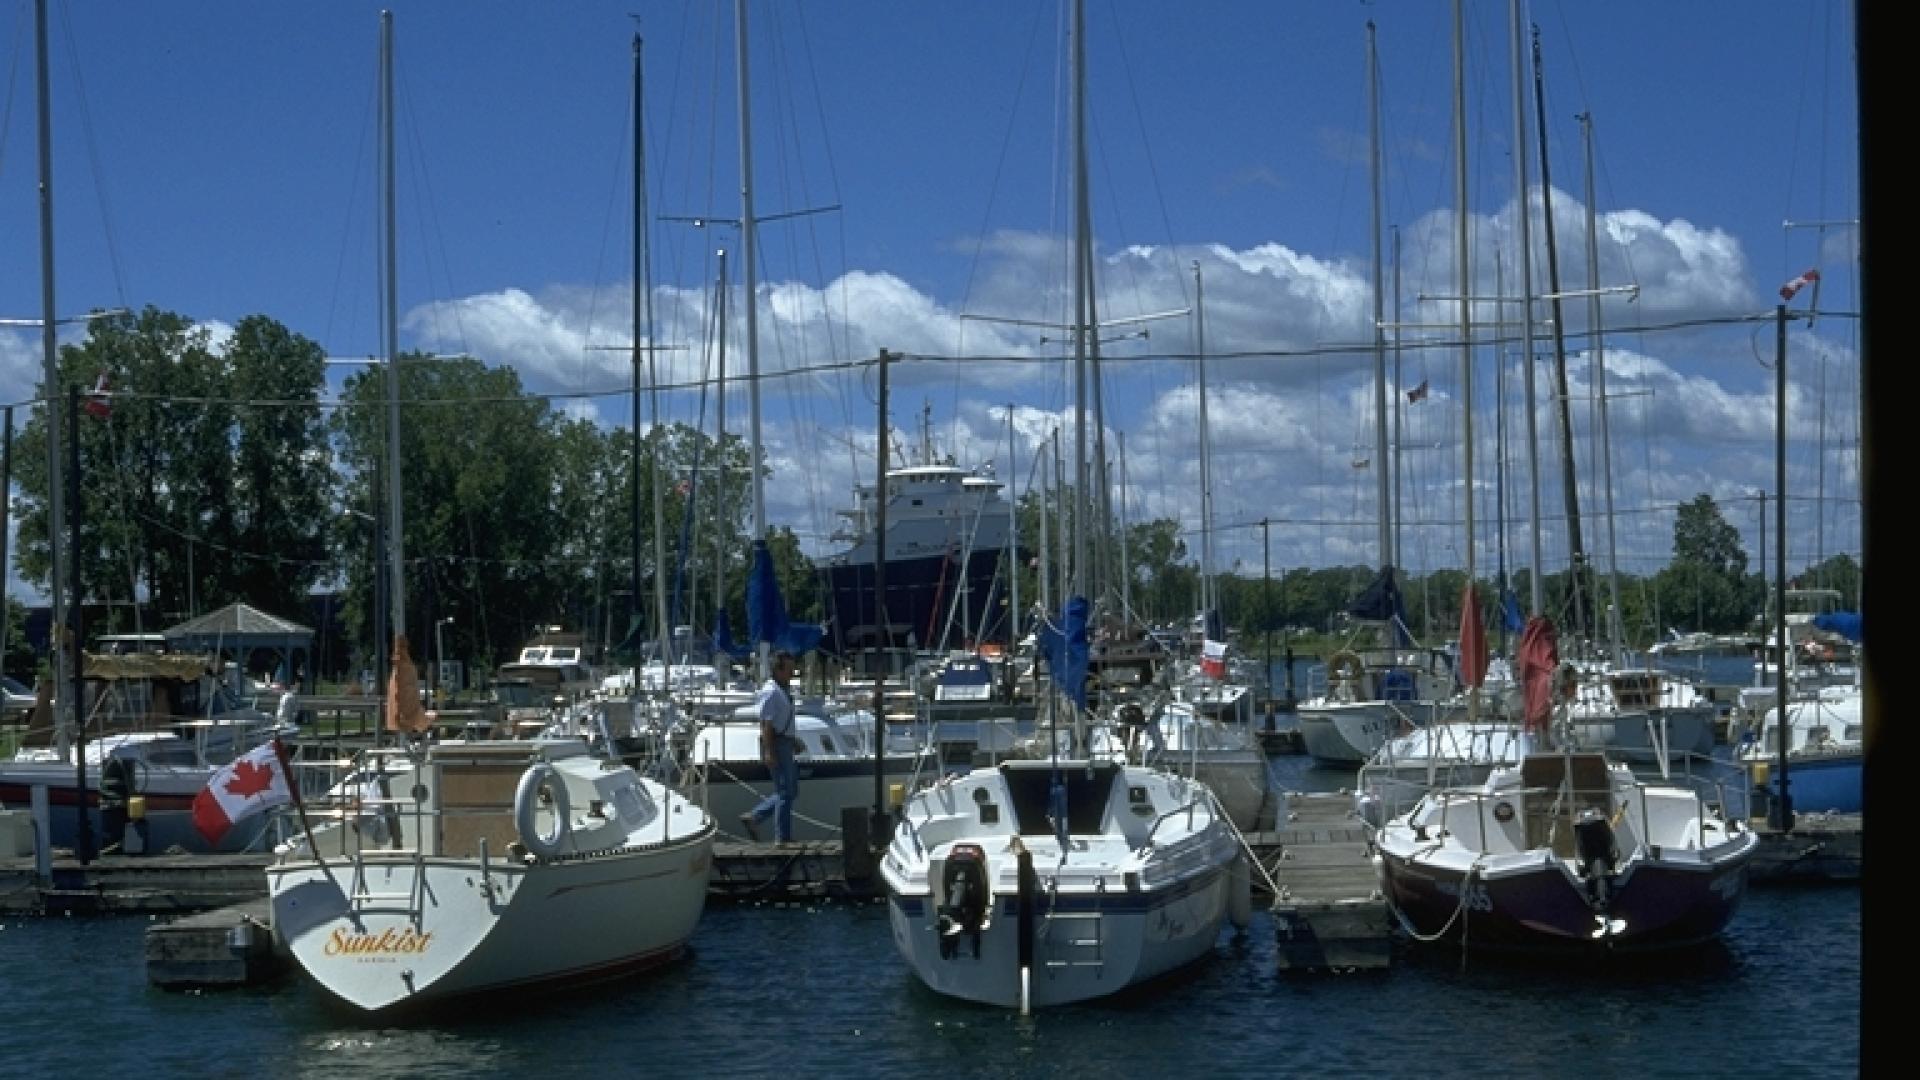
x=1328 y=912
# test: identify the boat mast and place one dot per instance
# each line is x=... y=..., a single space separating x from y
x=1126 y=585
x=1562 y=407
x=749 y=254
x=1382 y=480
x=396 y=552
x=720 y=540
x=66 y=712
x=1523 y=213
x=1207 y=597
x=1466 y=304
x=1013 y=539
x=1082 y=287
x=643 y=331
x=1614 y=634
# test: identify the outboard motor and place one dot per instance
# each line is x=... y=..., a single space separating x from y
x=965 y=898
x=1596 y=855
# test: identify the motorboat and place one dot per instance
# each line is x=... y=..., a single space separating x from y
x=456 y=868
x=723 y=773
x=1642 y=715
x=1372 y=695
x=172 y=719
x=1043 y=882
x=1826 y=750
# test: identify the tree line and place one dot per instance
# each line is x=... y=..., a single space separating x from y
x=210 y=474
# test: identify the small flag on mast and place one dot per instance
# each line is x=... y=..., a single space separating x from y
x=1788 y=290
x=99 y=403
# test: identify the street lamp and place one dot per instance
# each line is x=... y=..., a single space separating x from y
x=439 y=656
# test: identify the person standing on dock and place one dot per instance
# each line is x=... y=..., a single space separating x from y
x=774 y=705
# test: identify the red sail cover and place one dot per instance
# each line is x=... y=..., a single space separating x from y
x=1537 y=659
x=1473 y=640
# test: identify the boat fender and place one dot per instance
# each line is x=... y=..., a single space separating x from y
x=526 y=804
x=1240 y=894
x=1343 y=666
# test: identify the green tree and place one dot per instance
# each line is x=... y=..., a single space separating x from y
x=1705 y=586
x=197 y=481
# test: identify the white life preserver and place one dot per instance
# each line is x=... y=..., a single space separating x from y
x=526 y=803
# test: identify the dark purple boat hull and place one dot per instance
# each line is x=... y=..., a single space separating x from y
x=1664 y=905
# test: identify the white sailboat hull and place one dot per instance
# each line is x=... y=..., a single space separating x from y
x=987 y=904
x=473 y=930
x=1097 y=945
x=486 y=865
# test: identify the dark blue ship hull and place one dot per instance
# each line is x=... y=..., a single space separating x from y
x=920 y=600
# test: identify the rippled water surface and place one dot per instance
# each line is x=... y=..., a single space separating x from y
x=797 y=990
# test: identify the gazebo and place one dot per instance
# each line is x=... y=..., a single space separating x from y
x=238 y=631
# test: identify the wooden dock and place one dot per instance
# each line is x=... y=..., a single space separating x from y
x=1820 y=848
x=229 y=946
x=1328 y=911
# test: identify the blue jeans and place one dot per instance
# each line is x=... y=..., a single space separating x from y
x=779 y=805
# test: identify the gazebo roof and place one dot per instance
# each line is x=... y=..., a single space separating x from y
x=238 y=624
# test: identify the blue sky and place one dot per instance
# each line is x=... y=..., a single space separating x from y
x=219 y=160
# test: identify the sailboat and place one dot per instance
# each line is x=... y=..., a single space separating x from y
x=1564 y=849
x=1061 y=878
x=1557 y=849
x=447 y=868
x=1375 y=694
x=841 y=746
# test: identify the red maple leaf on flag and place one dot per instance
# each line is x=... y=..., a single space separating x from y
x=249 y=779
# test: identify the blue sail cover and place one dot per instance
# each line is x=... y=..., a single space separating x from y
x=1380 y=601
x=723 y=640
x=1510 y=612
x=1066 y=649
x=1848 y=624
x=767 y=610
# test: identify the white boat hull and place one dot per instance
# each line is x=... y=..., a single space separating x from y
x=1348 y=733
x=473 y=931
x=1140 y=936
x=1035 y=883
x=486 y=865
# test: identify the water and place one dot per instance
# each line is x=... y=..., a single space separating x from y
x=818 y=990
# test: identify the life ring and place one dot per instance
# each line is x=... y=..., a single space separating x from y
x=1343 y=666
x=526 y=802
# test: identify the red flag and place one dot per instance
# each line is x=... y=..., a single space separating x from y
x=1538 y=657
x=1794 y=286
x=99 y=403
x=249 y=784
x=1213 y=659
x=1418 y=393
x=404 y=711
x=1473 y=640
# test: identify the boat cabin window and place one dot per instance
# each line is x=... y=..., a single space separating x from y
x=1030 y=791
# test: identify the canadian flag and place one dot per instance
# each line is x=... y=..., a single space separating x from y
x=249 y=784
x=1213 y=659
